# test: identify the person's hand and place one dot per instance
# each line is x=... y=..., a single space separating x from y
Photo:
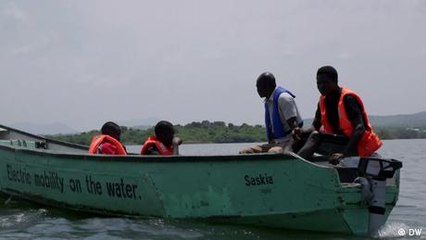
x=296 y=133
x=177 y=141
x=335 y=158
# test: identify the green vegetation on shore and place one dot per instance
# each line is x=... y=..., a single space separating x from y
x=220 y=132
x=400 y=132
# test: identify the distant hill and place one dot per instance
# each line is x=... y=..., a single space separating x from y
x=416 y=120
x=60 y=128
x=44 y=129
x=220 y=132
x=144 y=123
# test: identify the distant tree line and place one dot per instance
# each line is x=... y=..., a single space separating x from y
x=219 y=132
x=195 y=132
x=400 y=132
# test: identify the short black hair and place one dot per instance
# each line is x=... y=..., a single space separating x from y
x=111 y=129
x=267 y=79
x=329 y=71
x=163 y=127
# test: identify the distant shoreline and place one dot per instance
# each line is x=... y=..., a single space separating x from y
x=220 y=132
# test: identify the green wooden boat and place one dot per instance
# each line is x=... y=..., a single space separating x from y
x=278 y=191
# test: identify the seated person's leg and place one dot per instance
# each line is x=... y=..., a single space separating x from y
x=299 y=143
x=285 y=145
x=257 y=148
x=311 y=145
x=251 y=149
x=276 y=149
x=330 y=144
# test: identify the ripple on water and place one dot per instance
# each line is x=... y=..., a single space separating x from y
x=18 y=219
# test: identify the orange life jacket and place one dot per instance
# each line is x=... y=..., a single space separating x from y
x=99 y=139
x=153 y=141
x=369 y=141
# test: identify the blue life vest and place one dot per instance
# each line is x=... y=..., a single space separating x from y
x=278 y=126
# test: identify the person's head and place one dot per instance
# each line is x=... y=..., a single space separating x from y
x=111 y=129
x=265 y=84
x=165 y=132
x=327 y=80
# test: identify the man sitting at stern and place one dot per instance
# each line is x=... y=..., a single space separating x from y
x=340 y=127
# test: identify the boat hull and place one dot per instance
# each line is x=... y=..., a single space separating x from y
x=271 y=190
x=281 y=191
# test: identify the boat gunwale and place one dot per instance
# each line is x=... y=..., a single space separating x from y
x=155 y=158
x=48 y=140
x=134 y=157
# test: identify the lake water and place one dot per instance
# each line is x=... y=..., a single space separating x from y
x=20 y=220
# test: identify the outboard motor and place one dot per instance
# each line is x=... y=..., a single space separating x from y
x=373 y=173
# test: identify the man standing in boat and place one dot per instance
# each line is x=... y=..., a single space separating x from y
x=340 y=127
x=281 y=116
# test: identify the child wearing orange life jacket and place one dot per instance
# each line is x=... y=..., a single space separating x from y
x=163 y=142
x=109 y=141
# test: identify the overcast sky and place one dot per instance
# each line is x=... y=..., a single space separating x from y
x=82 y=63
